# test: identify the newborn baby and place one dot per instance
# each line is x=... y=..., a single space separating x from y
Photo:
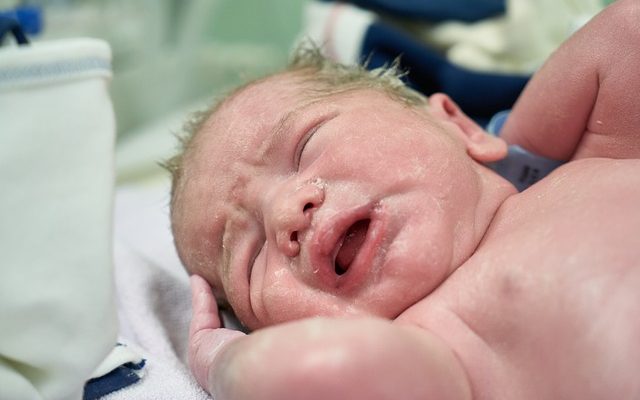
x=355 y=227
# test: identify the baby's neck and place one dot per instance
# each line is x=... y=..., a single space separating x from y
x=495 y=190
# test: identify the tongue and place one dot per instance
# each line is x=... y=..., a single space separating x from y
x=352 y=242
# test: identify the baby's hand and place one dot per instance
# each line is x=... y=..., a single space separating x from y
x=206 y=335
x=320 y=359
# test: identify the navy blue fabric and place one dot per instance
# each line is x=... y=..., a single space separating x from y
x=479 y=94
x=10 y=24
x=436 y=10
x=29 y=18
x=117 y=379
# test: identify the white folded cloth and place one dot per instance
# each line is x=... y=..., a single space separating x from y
x=57 y=129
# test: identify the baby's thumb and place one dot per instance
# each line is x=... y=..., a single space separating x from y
x=205 y=310
x=206 y=337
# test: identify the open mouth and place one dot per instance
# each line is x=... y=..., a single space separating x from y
x=350 y=244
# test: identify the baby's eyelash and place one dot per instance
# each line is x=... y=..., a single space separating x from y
x=309 y=134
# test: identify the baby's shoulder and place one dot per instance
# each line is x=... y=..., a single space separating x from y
x=567 y=240
x=579 y=223
x=593 y=172
x=586 y=201
x=597 y=185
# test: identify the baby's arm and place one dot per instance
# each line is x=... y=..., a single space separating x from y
x=584 y=101
x=321 y=358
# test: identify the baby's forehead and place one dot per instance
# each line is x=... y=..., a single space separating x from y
x=275 y=87
x=242 y=120
x=237 y=129
x=260 y=102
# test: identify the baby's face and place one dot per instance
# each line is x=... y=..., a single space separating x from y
x=348 y=205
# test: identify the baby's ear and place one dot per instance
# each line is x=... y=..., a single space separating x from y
x=481 y=146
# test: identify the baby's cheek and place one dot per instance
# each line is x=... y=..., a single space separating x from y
x=274 y=298
x=419 y=256
x=287 y=299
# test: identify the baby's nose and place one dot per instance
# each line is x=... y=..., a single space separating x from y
x=292 y=215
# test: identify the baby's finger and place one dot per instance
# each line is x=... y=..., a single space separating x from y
x=205 y=310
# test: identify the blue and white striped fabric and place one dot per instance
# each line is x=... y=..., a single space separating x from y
x=122 y=368
x=351 y=33
x=42 y=64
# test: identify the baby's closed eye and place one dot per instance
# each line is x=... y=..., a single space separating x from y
x=304 y=153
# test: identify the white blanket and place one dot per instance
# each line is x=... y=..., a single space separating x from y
x=152 y=294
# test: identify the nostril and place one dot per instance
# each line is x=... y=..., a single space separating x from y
x=293 y=237
x=307 y=206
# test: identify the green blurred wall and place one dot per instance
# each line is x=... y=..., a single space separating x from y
x=267 y=21
x=190 y=57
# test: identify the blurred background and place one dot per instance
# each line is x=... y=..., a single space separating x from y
x=171 y=57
